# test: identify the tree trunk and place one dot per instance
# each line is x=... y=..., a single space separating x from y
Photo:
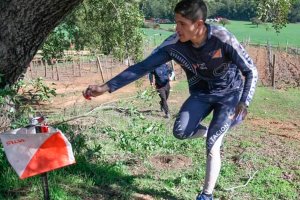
x=24 y=25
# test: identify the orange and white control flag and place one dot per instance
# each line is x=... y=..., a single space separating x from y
x=33 y=154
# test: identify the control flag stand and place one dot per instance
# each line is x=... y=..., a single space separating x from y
x=45 y=186
x=37 y=149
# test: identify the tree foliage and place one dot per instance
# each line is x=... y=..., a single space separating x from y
x=224 y=21
x=274 y=11
x=294 y=15
x=158 y=8
x=56 y=43
x=238 y=9
x=256 y=21
x=109 y=26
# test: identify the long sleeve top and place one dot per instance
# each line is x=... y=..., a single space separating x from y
x=216 y=67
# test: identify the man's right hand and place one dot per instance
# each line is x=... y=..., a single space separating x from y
x=95 y=90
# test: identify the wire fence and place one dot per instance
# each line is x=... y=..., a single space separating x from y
x=278 y=67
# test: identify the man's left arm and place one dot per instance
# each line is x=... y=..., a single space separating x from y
x=242 y=60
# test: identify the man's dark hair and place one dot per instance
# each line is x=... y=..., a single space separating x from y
x=192 y=9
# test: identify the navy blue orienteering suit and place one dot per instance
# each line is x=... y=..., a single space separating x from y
x=162 y=76
x=214 y=73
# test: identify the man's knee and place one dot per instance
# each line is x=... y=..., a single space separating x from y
x=179 y=134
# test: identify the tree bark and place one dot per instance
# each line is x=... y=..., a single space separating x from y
x=24 y=25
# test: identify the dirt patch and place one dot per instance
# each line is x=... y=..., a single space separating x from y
x=285 y=129
x=287 y=66
x=141 y=197
x=172 y=162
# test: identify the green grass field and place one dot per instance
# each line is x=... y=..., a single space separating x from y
x=244 y=30
x=115 y=150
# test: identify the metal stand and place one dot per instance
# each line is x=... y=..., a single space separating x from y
x=44 y=177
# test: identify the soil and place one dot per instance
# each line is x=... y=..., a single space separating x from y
x=287 y=129
x=170 y=162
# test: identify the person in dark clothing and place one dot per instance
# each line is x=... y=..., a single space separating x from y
x=162 y=76
x=221 y=77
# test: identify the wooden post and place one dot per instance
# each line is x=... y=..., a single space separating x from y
x=56 y=69
x=100 y=67
x=52 y=71
x=45 y=67
x=79 y=67
x=273 y=75
x=73 y=66
x=45 y=184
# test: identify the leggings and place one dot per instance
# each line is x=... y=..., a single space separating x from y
x=187 y=125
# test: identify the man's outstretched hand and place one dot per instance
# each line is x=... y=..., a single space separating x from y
x=94 y=91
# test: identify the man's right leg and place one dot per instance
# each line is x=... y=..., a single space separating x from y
x=193 y=111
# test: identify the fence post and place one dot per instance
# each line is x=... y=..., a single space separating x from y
x=273 y=74
x=56 y=69
x=45 y=68
x=100 y=67
x=79 y=67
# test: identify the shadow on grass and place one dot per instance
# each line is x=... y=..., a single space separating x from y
x=11 y=187
x=111 y=183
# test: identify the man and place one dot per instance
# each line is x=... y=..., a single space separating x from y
x=214 y=62
x=162 y=77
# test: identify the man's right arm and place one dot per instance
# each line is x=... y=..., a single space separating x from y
x=138 y=70
x=129 y=75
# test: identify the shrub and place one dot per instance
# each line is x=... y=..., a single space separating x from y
x=224 y=21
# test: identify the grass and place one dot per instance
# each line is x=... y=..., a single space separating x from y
x=155 y=37
x=286 y=101
x=115 y=147
x=262 y=34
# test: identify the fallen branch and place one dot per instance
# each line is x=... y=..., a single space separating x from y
x=240 y=186
x=88 y=114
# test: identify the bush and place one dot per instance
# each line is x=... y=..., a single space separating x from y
x=224 y=21
x=256 y=21
x=151 y=25
x=16 y=101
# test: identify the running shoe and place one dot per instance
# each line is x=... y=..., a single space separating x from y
x=203 y=196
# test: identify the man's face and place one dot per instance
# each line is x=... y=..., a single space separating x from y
x=186 y=29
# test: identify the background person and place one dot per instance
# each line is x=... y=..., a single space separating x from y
x=161 y=77
x=214 y=62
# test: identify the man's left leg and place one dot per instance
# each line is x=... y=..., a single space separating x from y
x=218 y=127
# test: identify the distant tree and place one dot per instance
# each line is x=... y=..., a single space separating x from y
x=294 y=15
x=158 y=8
x=111 y=27
x=275 y=12
x=256 y=21
x=224 y=21
x=238 y=9
x=55 y=44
